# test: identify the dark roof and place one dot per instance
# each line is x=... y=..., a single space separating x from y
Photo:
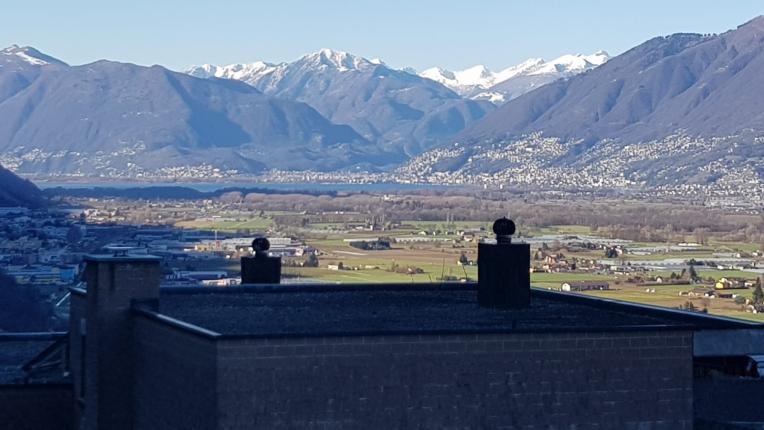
x=399 y=309
x=137 y=258
x=16 y=350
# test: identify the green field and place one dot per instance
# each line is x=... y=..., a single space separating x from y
x=253 y=224
x=740 y=315
x=368 y=276
x=456 y=225
x=439 y=259
x=716 y=274
x=669 y=296
x=566 y=229
x=555 y=280
x=734 y=246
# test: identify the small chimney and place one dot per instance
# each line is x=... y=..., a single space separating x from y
x=260 y=268
x=504 y=279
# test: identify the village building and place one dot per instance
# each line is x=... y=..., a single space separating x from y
x=585 y=286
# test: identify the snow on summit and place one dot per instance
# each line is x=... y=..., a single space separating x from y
x=29 y=55
x=339 y=60
x=572 y=64
x=326 y=60
x=232 y=71
x=480 y=83
x=476 y=82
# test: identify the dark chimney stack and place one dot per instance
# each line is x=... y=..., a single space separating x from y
x=100 y=336
x=260 y=268
x=504 y=279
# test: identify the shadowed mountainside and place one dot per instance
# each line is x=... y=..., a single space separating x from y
x=397 y=110
x=15 y=191
x=705 y=85
x=116 y=117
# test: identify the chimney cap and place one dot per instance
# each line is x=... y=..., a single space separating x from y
x=504 y=228
x=261 y=244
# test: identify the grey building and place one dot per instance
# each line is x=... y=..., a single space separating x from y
x=372 y=357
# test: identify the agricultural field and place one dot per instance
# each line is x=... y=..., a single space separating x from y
x=436 y=259
x=429 y=252
x=254 y=224
x=669 y=296
x=439 y=259
x=433 y=238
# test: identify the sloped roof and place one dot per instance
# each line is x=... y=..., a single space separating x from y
x=316 y=310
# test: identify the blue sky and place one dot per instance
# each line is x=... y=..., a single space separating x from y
x=403 y=33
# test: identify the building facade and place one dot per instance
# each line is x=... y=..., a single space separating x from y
x=374 y=357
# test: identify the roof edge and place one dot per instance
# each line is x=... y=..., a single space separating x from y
x=321 y=288
x=175 y=323
x=719 y=322
x=53 y=335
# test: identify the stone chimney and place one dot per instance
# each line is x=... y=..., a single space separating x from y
x=504 y=279
x=101 y=337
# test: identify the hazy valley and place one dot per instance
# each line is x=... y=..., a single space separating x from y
x=675 y=114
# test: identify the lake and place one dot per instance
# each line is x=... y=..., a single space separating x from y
x=213 y=186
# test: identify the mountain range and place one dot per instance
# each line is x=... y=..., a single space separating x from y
x=327 y=110
x=398 y=110
x=109 y=118
x=479 y=83
x=684 y=109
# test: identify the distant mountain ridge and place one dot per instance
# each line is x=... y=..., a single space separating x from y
x=398 y=110
x=683 y=110
x=29 y=55
x=15 y=191
x=705 y=85
x=109 y=118
x=478 y=82
x=677 y=110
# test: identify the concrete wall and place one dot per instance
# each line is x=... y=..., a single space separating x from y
x=721 y=398
x=175 y=384
x=522 y=381
x=36 y=407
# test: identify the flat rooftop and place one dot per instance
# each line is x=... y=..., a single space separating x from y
x=317 y=310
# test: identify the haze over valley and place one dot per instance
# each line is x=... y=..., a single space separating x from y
x=677 y=113
x=354 y=215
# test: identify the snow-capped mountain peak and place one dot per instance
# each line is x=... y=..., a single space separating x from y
x=572 y=64
x=438 y=75
x=463 y=80
x=30 y=55
x=519 y=69
x=204 y=71
x=480 y=83
x=477 y=82
x=322 y=61
x=598 y=58
x=238 y=71
x=474 y=75
x=339 y=60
